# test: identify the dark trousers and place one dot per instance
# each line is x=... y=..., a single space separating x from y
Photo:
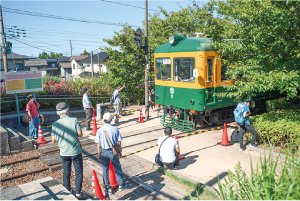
x=88 y=113
x=78 y=165
x=243 y=129
x=107 y=156
x=174 y=163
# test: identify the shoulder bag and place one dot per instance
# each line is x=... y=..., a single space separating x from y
x=117 y=150
x=157 y=157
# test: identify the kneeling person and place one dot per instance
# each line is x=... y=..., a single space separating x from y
x=169 y=150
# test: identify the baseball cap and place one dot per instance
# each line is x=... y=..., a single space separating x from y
x=248 y=100
x=29 y=96
x=85 y=89
x=62 y=106
x=107 y=116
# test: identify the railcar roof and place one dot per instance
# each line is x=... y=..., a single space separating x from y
x=186 y=45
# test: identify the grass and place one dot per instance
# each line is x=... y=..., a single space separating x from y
x=199 y=192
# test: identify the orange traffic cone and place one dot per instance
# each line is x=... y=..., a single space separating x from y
x=94 y=131
x=96 y=187
x=41 y=139
x=141 y=119
x=112 y=176
x=176 y=138
x=225 y=137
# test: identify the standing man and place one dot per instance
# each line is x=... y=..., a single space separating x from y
x=169 y=150
x=246 y=125
x=34 y=121
x=105 y=152
x=117 y=104
x=66 y=131
x=88 y=108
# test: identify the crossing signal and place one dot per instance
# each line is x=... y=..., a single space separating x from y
x=138 y=37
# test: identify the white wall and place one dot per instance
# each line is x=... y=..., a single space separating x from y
x=97 y=69
x=42 y=69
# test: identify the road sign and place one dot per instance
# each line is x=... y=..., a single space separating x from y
x=22 y=82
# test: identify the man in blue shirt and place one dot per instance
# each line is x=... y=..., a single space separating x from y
x=117 y=104
x=105 y=152
x=88 y=108
x=247 y=126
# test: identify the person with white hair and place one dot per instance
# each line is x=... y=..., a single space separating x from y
x=66 y=132
x=105 y=152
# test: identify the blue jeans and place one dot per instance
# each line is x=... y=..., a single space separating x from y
x=107 y=156
x=78 y=165
x=34 y=127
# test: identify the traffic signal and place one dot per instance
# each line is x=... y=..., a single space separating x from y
x=138 y=37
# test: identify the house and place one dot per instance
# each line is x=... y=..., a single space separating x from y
x=64 y=64
x=15 y=62
x=36 y=65
x=77 y=65
x=98 y=60
x=52 y=67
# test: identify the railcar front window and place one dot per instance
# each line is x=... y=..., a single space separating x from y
x=163 y=69
x=183 y=69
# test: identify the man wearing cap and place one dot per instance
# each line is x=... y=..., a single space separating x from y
x=117 y=104
x=88 y=108
x=247 y=126
x=34 y=121
x=105 y=152
x=66 y=132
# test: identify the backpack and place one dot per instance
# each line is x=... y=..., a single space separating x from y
x=238 y=114
x=235 y=136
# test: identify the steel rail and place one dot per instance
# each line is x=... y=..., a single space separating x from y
x=18 y=161
x=23 y=174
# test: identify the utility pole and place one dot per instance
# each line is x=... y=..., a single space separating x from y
x=71 y=47
x=3 y=41
x=92 y=64
x=146 y=62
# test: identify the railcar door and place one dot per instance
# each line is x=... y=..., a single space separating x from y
x=210 y=89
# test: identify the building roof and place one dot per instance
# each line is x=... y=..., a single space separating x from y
x=102 y=56
x=63 y=59
x=65 y=64
x=51 y=60
x=14 y=56
x=79 y=58
x=88 y=74
x=36 y=62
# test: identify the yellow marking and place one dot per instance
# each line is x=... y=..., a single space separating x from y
x=212 y=129
x=114 y=115
x=135 y=152
x=185 y=135
x=192 y=133
x=128 y=155
x=142 y=149
x=155 y=145
x=127 y=112
x=199 y=131
x=48 y=126
x=149 y=148
x=123 y=113
x=136 y=110
x=205 y=130
x=218 y=127
x=118 y=114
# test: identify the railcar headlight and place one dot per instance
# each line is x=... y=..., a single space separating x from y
x=171 y=39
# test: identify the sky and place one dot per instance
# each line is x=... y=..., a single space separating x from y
x=54 y=35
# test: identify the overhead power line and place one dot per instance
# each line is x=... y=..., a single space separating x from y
x=32 y=46
x=123 y=4
x=24 y=12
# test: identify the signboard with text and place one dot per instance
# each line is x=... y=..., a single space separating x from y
x=22 y=82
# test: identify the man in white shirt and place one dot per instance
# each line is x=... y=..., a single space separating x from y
x=169 y=150
x=88 y=108
x=117 y=104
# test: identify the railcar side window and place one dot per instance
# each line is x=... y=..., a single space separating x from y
x=210 y=64
x=163 y=69
x=183 y=69
x=224 y=77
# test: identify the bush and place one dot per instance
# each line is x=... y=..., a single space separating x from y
x=281 y=128
x=266 y=182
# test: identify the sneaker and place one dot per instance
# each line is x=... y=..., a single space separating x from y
x=253 y=146
x=106 y=196
x=241 y=149
x=88 y=129
x=176 y=167
x=123 y=187
x=165 y=166
x=35 y=137
x=81 y=196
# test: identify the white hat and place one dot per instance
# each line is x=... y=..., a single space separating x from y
x=107 y=116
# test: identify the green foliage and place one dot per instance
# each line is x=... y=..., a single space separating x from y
x=281 y=103
x=85 y=53
x=279 y=128
x=267 y=56
x=52 y=55
x=268 y=181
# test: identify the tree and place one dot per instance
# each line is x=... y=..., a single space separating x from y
x=85 y=53
x=52 y=55
x=266 y=58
